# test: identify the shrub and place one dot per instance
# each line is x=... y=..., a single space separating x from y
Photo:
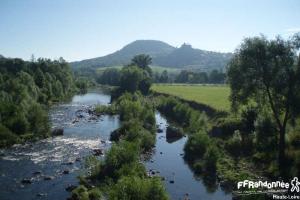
x=7 y=138
x=294 y=139
x=132 y=169
x=120 y=154
x=103 y=109
x=80 y=193
x=95 y=194
x=211 y=157
x=265 y=134
x=198 y=121
x=147 y=140
x=228 y=126
x=135 y=188
x=196 y=145
x=234 y=144
x=248 y=118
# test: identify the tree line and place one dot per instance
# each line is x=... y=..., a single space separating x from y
x=26 y=88
x=112 y=76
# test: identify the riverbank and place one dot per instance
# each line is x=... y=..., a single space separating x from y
x=214 y=147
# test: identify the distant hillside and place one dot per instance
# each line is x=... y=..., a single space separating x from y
x=162 y=54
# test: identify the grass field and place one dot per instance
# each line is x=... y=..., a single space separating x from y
x=214 y=96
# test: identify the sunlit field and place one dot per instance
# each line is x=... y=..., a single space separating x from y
x=215 y=96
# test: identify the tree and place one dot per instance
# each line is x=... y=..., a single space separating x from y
x=130 y=78
x=143 y=61
x=267 y=72
x=164 y=77
x=216 y=77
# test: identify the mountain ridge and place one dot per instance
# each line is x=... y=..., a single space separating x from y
x=163 y=54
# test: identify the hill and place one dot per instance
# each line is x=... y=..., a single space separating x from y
x=163 y=54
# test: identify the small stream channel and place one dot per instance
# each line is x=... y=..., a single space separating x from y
x=168 y=161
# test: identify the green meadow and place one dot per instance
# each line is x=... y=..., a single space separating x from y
x=216 y=96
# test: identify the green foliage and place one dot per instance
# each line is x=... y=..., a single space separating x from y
x=133 y=79
x=211 y=157
x=118 y=155
x=196 y=145
x=214 y=77
x=228 y=125
x=82 y=85
x=25 y=90
x=234 y=144
x=135 y=188
x=143 y=61
x=7 y=138
x=80 y=193
x=267 y=72
x=138 y=121
x=183 y=114
x=248 y=118
x=103 y=109
x=110 y=76
x=265 y=134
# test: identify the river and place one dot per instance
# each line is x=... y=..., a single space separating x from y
x=53 y=164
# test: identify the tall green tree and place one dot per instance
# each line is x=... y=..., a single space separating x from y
x=267 y=71
x=143 y=61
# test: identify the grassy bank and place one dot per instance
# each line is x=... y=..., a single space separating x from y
x=215 y=96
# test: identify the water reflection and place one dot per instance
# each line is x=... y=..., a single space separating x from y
x=180 y=181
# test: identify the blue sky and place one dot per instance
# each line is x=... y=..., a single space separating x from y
x=80 y=29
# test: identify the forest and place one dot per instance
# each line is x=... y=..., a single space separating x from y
x=27 y=88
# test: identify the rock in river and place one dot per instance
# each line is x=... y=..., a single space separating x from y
x=48 y=178
x=173 y=134
x=27 y=180
x=98 y=152
x=58 y=131
x=159 y=130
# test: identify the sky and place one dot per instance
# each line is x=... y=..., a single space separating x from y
x=82 y=29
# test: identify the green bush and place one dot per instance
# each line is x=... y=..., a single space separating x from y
x=196 y=145
x=229 y=125
x=198 y=121
x=80 y=193
x=265 y=134
x=7 y=138
x=248 y=118
x=211 y=157
x=120 y=154
x=95 y=194
x=132 y=169
x=135 y=188
x=183 y=114
x=103 y=109
x=147 y=140
x=234 y=144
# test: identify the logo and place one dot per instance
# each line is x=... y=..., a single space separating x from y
x=295 y=185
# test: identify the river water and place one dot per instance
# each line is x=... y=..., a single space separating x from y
x=180 y=182
x=60 y=159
